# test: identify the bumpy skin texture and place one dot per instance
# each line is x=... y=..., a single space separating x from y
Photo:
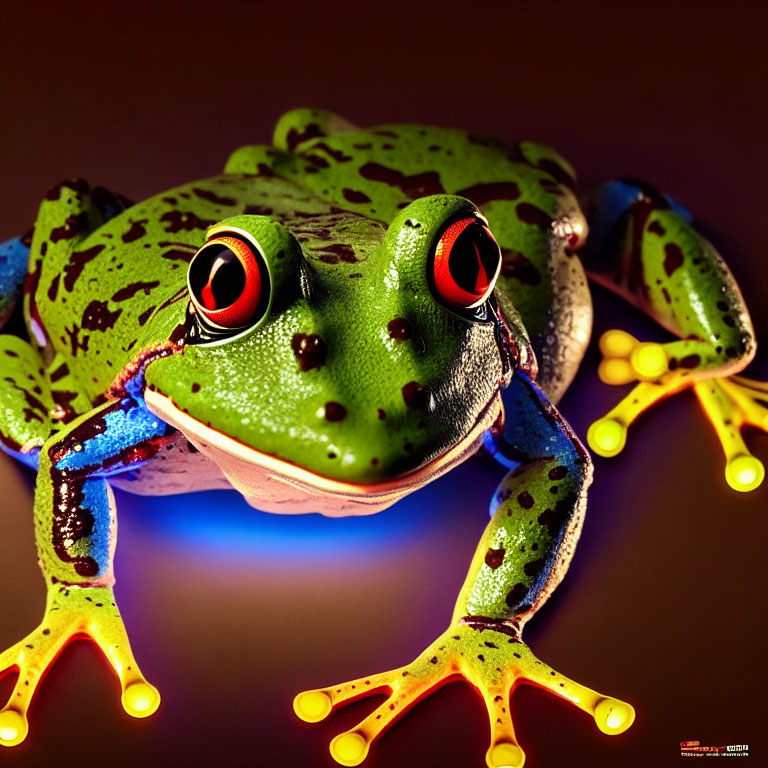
x=356 y=373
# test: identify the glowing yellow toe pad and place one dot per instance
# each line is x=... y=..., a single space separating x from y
x=607 y=437
x=13 y=728
x=649 y=360
x=613 y=716
x=349 y=749
x=744 y=473
x=505 y=756
x=140 y=699
x=312 y=706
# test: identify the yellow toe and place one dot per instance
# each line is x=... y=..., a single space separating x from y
x=505 y=756
x=312 y=706
x=607 y=437
x=13 y=728
x=649 y=360
x=616 y=370
x=140 y=699
x=744 y=473
x=349 y=749
x=613 y=716
x=616 y=343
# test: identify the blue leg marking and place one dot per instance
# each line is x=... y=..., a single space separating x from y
x=14 y=257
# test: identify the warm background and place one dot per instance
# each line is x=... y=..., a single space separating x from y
x=232 y=611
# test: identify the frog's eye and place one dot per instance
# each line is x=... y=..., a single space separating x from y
x=466 y=264
x=228 y=283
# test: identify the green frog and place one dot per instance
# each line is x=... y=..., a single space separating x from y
x=330 y=324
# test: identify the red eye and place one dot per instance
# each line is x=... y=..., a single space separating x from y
x=228 y=283
x=466 y=264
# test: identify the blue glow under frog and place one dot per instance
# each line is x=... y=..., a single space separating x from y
x=330 y=324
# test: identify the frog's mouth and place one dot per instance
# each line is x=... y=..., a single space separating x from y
x=272 y=484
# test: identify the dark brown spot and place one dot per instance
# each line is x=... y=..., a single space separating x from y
x=336 y=252
x=334 y=154
x=257 y=210
x=690 y=361
x=183 y=220
x=556 y=171
x=531 y=214
x=73 y=226
x=195 y=387
x=534 y=567
x=494 y=558
x=381 y=413
x=656 y=228
x=129 y=291
x=53 y=288
x=417 y=185
x=296 y=136
x=97 y=317
x=515 y=595
x=79 y=186
x=525 y=500
x=59 y=373
x=480 y=194
x=145 y=315
x=335 y=411
x=353 y=196
x=136 y=231
x=212 y=197
x=399 y=329
x=77 y=262
x=414 y=395
x=673 y=258
x=558 y=473
x=310 y=350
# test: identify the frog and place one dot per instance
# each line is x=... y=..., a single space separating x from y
x=336 y=320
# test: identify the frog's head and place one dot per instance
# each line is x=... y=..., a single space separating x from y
x=339 y=355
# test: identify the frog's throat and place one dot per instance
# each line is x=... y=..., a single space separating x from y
x=275 y=485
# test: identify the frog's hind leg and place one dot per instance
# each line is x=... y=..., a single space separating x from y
x=643 y=246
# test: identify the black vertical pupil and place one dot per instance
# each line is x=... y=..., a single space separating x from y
x=218 y=266
x=471 y=249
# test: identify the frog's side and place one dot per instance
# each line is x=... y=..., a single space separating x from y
x=356 y=382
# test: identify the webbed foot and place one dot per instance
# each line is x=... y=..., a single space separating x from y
x=730 y=403
x=72 y=612
x=493 y=661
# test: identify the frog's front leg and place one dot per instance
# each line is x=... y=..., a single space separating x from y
x=643 y=246
x=537 y=514
x=75 y=532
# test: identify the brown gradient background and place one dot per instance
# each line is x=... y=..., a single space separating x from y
x=665 y=601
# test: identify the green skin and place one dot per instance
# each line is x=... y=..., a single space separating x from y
x=346 y=220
